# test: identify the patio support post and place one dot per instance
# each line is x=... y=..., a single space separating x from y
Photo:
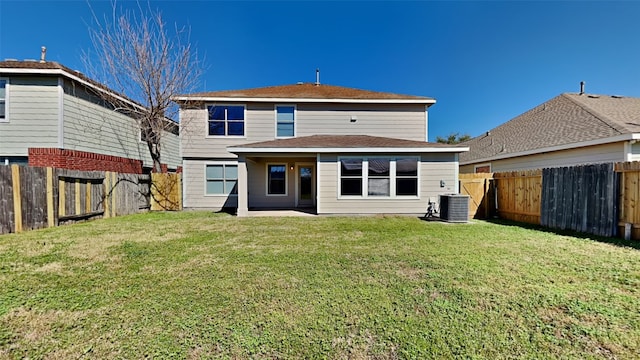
x=243 y=188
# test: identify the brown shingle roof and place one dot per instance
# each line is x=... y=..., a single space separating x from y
x=563 y=120
x=344 y=141
x=306 y=91
x=7 y=65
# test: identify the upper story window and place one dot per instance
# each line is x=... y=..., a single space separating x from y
x=3 y=100
x=285 y=120
x=226 y=120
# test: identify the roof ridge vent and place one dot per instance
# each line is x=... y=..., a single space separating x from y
x=30 y=60
x=617 y=96
x=11 y=60
x=594 y=96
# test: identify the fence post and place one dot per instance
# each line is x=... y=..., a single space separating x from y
x=51 y=221
x=17 y=198
x=114 y=183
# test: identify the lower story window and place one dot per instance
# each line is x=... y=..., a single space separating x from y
x=222 y=179
x=379 y=177
x=277 y=179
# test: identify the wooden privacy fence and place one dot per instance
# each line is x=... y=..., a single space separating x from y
x=518 y=195
x=629 y=203
x=479 y=187
x=591 y=198
x=33 y=198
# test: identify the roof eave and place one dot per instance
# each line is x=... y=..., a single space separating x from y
x=609 y=140
x=303 y=100
x=272 y=150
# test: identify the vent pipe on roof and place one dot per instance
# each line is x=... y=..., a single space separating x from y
x=581 y=87
x=317 y=76
x=43 y=54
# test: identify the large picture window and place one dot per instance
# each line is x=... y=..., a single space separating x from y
x=222 y=179
x=285 y=121
x=226 y=120
x=379 y=177
x=277 y=179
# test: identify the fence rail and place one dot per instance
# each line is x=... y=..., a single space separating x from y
x=34 y=198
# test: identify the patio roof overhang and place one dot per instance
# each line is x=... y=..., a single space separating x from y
x=344 y=144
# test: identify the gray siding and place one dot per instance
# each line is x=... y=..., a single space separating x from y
x=396 y=121
x=586 y=155
x=257 y=175
x=33 y=115
x=433 y=169
x=194 y=183
x=89 y=126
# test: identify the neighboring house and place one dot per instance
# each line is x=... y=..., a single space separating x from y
x=333 y=149
x=51 y=115
x=570 y=129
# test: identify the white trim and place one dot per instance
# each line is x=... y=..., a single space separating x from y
x=628 y=150
x=386 y=150
x=456 y=174
x=185 y=203
x=295 y=120
x=476 y=166
x=318 y=202
x=6 y=100
x=61 y=113
x=602 y=141
x=298 y=165
x=304 y=100
x=392 y=178
x=206 y=132
x=286 y=179
x=426 y=123
x=224 y=162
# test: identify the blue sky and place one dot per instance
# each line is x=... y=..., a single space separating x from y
x=484 y=62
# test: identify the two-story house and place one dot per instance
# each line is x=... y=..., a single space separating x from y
x=334 y=149
x=51 y=115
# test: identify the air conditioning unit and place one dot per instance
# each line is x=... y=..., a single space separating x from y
x=454 y=208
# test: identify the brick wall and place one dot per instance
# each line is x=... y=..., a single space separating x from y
x=82 y=160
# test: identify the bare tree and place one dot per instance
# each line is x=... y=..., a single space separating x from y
x=134 y=53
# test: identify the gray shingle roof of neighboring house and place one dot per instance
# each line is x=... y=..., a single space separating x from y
x=566 y=119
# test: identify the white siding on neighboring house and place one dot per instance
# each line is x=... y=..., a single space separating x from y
x=393 y=121
x=613 y=152
x=91 y=127
x=433 y=169
x=33 y=115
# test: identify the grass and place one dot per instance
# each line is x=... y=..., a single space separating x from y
x=202 y=285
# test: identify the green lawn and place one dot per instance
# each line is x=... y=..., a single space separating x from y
x=202 y=285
